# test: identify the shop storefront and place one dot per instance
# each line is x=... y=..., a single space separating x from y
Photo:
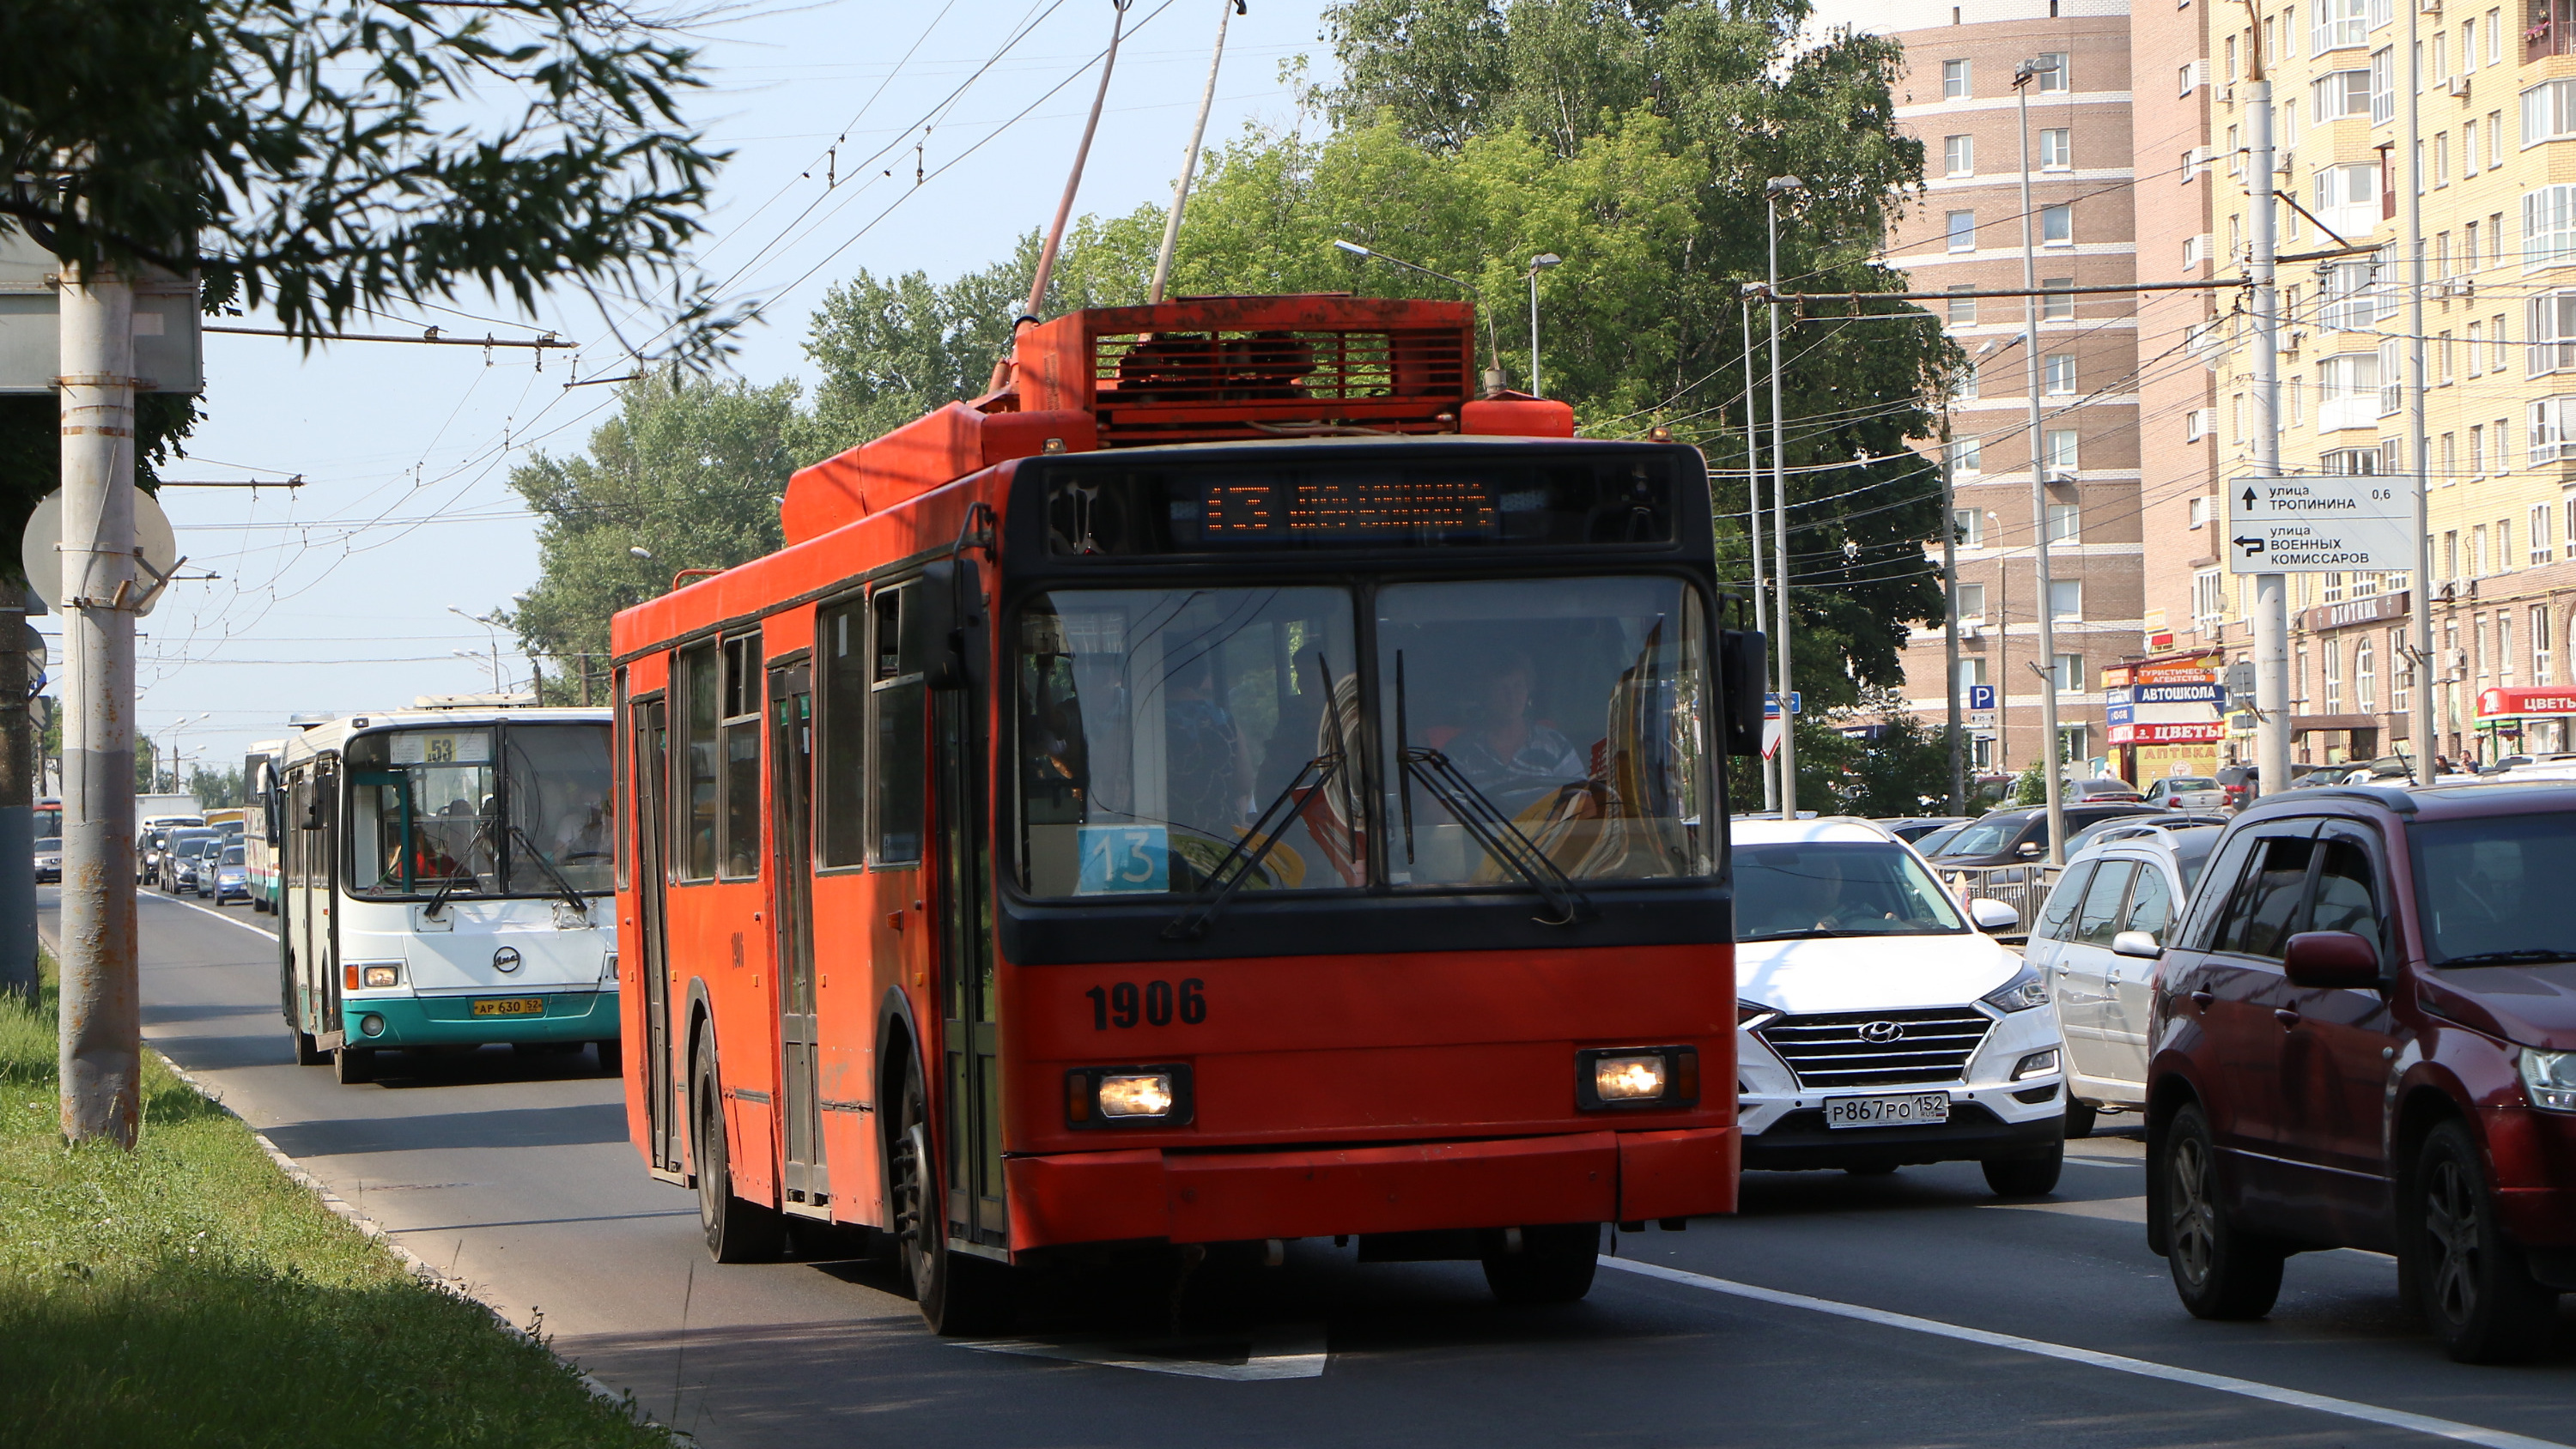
x=2527 y=721
x=2165 y=717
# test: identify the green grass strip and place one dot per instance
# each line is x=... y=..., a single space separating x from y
x=187 y=1293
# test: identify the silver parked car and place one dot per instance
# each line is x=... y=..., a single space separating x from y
x=2187 y=792
x=2106 y=1000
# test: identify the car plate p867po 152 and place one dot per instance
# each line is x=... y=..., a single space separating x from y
x=1915 y=1109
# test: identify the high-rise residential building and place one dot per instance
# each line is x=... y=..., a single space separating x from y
x=1964 y=234
x=2497 y=148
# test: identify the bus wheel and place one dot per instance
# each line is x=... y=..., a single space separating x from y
x=353 y=1065
x=737 y=1231
x=960 y=1297
x=1554 y=1264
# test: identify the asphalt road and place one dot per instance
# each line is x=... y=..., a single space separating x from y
x=1906 y=1310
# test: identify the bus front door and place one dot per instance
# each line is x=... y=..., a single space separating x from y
x=791 y=752
x=976 y=1209
x=652 y=735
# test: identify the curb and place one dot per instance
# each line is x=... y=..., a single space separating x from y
x=420 y=1267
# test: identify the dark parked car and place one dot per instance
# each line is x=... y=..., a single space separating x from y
x=2364 y=1035
x=1911 y=829
x=2020 y=835
x=188 y=857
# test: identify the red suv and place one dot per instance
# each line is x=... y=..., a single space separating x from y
x=2364 y=1036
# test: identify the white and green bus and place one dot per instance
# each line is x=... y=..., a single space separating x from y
x=445 y=881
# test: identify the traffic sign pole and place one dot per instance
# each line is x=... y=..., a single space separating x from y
x=2271 y=587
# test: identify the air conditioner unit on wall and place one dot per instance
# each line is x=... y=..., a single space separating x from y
x=2459 y=86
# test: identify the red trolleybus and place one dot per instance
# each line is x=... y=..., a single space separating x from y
x=1231 y=784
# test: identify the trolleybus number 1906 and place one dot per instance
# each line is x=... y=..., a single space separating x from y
x=1118 y=1005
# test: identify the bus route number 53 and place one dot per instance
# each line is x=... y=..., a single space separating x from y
x=1123 y=1005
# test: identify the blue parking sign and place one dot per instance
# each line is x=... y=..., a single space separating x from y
x=1981 y=696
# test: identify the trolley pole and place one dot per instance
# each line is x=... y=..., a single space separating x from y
x=2271 y=590
x=17 y=810
x=101 y=1058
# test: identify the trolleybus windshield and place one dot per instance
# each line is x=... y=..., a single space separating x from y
x=438 y=810
x=1517 y=729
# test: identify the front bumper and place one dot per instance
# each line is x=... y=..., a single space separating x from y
x=450 y=1020
x=2534 y=1156
x=1214 y=1197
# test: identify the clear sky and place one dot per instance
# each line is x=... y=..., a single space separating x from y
x=336 y=596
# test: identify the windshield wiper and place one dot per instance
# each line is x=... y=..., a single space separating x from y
x=570 y=895
x=1483 y=820
x=1238 y=863
x=459 y=874
x=2525 y=957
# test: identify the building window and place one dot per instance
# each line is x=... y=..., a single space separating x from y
x=2548 y=227
x=1959 y=155
x=2347 y=390
x=1972 y=607
x=2477 y=450
x=2235 y=154
x=2057 y=149
x=2333 y=655
x=2069 y=679
x=2391 y=394
x=2548 y=111
x=2401 y=670
x=2549 y=438
x=2336 y=24
x=1963 y=231
x=2065 y=523
x=2057 y=306
x=1970 y=525
x=1954 y=80
x=2469 y=163
x=2195 y=426
x=2503 y=462
x=1963 y=309
x=2539 y=531
x=2058 y=451
x=2198 y=511
x=2349 y=296
x=2365 y=675
x=2449 y=472
x=1967 y=456
x=2054 y=73
x=2338 y=94
x=2477 y=356
x=2549 y=332
x=2383 y=87
x=2057 y=225
x=2208 y=599
x=2540 y=656
x=1967 y=377
x=2504 y=545
x=2061 y=373
x=2451 y=553
x=2187 y=78
x=2504 y=648
x=2478 y=551
x=2066 y=598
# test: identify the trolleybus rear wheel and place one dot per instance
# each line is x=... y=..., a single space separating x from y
x=1554 y=1264
x=959 y=1296
x=737 y=1231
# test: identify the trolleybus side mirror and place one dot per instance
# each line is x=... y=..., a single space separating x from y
x=1743 y=658
x=940 y=612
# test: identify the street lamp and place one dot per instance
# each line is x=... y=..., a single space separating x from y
x=1772 y=191
x=1496 y=380
x=2027 y=72
x=176 y=726
x=492 y=629
x=1538 y=264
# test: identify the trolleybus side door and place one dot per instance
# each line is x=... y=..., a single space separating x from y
x=973 y=1037
x=652 y=744
x=791 y=717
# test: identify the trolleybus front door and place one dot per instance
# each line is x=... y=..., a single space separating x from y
x=318 y=876
x=651 y=732
x=791 y=736
x=976 y=1211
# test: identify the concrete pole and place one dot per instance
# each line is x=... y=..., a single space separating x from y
x=2271 y=590
x=1780 y=510
x=102 y=1033
x=17 y=809
x=1753 y=516
x=2049 y=773
x=1190 y=159
x=2411 y=176
x=1950 y=626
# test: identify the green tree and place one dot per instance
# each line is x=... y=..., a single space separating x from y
x=215 y=789
x=692 y=475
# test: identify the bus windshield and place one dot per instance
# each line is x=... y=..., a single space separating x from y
x=1158 y=728
x=431 y=811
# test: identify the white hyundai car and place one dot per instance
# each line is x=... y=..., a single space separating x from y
x=1878 y=1025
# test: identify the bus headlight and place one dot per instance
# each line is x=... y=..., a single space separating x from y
x=376 y=978
x=1608 y=1077
x=1155 y=1096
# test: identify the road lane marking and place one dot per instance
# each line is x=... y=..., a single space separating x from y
x=2450 y=1429
x=258 y=931
x=1290 y=1351
x=2129 y=1210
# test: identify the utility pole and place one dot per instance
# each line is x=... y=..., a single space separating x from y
x=2427 y=720
x=1753 y=515
x=17 y=807
x=1950 y=624
x=101 y=1059
x=1771 y=193
x=2271 y=590
x=2023 y=75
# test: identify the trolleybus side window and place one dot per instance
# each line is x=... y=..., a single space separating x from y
x=1571 y=712
x=1156 y=728
x=742 y=723
x=699 y=703
x=558 y=802
x=901 y=748
x=841 y=793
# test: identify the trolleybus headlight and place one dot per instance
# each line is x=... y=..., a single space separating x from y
x=1607 y=1077
x=1152 y=1096
x=377 y=977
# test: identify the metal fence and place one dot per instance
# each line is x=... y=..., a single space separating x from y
x=2023 y=887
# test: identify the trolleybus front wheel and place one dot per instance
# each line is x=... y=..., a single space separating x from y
x=960 y=1297
x=612 y=1058
x=737 y=1231
x=1554 y=1264
x=354 y=1065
